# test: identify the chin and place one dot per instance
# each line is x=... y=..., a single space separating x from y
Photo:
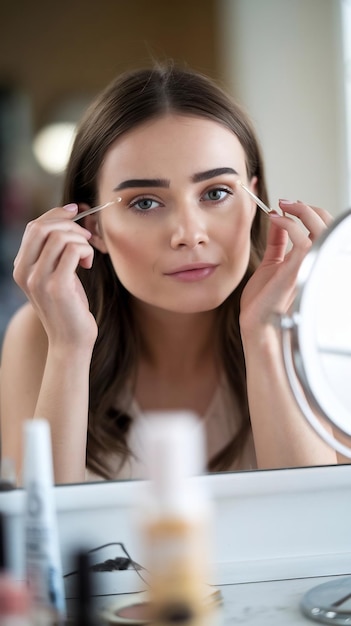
x=187 y=306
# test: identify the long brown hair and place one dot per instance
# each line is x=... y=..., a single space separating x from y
x=128 y=101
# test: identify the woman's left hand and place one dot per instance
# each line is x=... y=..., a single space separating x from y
x=281 y=436
x=272 y=287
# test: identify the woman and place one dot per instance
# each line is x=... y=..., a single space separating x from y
x=171 y=306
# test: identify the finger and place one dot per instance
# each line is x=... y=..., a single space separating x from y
x=325 y=215
x=316 y=220
x=285 y=263
x=48 y=258
x=64 y=276
x=276 y=246
x=68 y=211
x=71 y=257
x=298 y=236
x=36 y=234
x=42 y=283
x=57 y=243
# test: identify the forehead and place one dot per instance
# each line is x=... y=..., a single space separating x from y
x=172 y=141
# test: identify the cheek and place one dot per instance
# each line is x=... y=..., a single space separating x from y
x=129 y=252
x=236 y=238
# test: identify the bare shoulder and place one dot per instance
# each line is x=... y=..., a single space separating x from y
x=25 y=335
x=23 y=359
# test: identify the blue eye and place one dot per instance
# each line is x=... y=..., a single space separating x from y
x=217 y=194
x=144 y=204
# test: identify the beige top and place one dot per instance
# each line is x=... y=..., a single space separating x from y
x=219 y=425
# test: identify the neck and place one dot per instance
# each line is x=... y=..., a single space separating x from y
x=174 y=342
x=178 y=364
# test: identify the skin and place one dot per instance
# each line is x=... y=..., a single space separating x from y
x=151 y=235
x=185 y=223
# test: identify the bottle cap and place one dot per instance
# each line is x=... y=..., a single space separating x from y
x=37 y=452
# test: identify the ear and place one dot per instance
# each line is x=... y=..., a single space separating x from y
x=253 y=184
x=91 y=223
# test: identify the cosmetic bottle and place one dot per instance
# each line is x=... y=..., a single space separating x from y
x=15 y=601
x=42 y=552
x=175 y=521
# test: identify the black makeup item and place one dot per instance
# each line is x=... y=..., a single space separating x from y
x=85 y=612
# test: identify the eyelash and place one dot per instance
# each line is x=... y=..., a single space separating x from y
x=226 y=190
x=133 y=205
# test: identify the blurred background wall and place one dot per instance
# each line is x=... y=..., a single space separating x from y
x=284 y=60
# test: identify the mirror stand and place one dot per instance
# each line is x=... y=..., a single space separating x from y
x=329 y=603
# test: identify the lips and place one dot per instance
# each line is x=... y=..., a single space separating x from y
x=192 y=272
x=190 y=268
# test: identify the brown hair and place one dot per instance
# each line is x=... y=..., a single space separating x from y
x=131 y=99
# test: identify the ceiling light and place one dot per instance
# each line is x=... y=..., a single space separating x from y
x=52 y=146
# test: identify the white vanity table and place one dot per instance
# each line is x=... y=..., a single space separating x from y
x=273 y=603
x=277 y=534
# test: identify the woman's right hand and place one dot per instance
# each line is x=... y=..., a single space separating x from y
x=52 y=248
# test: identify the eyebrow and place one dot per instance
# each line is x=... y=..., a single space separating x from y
x=200 y=176
x=143 y=182
x=163 y=182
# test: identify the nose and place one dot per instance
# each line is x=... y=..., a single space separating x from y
x=189 y=228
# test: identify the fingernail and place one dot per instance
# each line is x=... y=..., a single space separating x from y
x=72 y=207
x=283 y=201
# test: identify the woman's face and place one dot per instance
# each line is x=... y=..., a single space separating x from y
x=179 y=239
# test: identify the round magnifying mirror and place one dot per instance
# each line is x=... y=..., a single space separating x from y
x=316 y=335
x=316 y=340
